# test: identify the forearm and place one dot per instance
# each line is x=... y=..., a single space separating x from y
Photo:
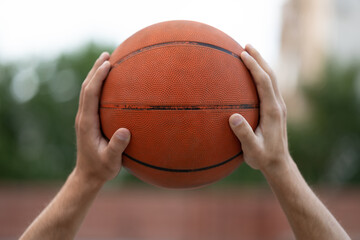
x=98 y=160
x=308 y=216
x=63 y=216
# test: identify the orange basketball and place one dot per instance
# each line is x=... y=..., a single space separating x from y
x=174 y=85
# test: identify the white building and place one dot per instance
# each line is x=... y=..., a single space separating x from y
x=314 y=31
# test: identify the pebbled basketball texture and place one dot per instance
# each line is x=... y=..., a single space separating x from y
x=174 y=85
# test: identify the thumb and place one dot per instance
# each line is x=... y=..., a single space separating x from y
x=243 y=131
x=118 y=143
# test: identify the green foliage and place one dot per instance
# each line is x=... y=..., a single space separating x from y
x=37 y=138
x=327 y=147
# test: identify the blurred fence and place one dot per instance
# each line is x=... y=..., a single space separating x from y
x=151 y=213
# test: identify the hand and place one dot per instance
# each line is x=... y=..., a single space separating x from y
x=97 y=158
x=267 y=147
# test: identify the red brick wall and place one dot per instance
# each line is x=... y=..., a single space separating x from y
x=173 y=215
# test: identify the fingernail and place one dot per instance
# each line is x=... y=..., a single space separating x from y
x=123 y=134
x=245 y=54
x=102 y=55
x=236 y=120
x=105 y=63
x=249 y=45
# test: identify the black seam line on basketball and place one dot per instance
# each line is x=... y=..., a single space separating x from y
x=182 y=170
x=189 y=108
x=191 y=43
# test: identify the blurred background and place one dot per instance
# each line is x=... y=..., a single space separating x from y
x=47 y=48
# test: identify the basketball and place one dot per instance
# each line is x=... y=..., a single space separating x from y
x=174 y=85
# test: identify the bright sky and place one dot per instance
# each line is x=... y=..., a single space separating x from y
x=43 y=28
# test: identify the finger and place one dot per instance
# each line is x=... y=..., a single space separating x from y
x=103 y=57
x=92 y=92
x=118 y=143
x=264 y=65
x=262 y=81
x=243 y=132
x=257 y=56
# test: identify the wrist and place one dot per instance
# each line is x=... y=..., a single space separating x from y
x=280 y=167
x=89 y=181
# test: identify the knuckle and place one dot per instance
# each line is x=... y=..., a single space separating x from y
x=245 y=134
x=264 y=80
x=82 y=126
x=84 y=85
x=113 y=152
x=264 y=77
x=88 y=90
x=284 y=110
x=110 y=151
x=256 y=54
x=275 y=112
x=271 y=74
x=77 y=121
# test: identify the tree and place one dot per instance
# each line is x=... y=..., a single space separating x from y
x=37 y=131
x=327 y=146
